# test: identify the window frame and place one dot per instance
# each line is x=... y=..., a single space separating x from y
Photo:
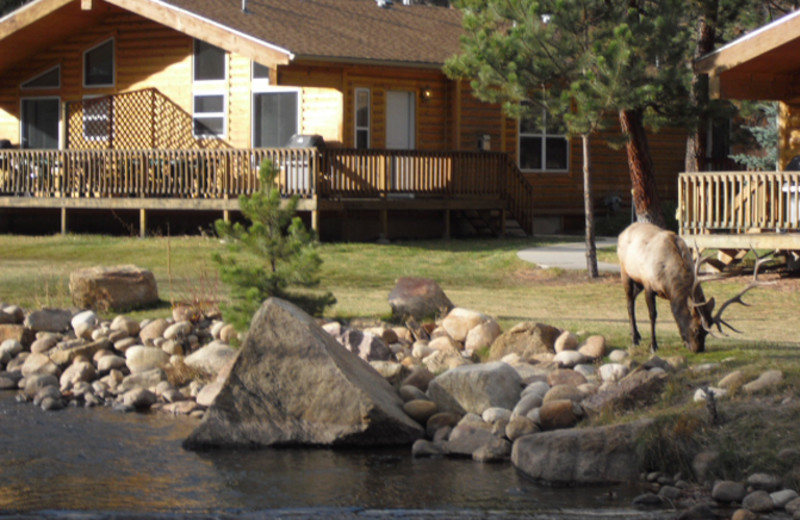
x=113 y=64
x=22 y=121
x=263 y=86
x=356 y=127
x=223 y=114
x=97 y=117
x=41 y=74
x=225 y=65
x=543 y=136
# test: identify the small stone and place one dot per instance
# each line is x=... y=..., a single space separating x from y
x=569 y=358
x=527 y=403
x=733 y=380
x=124 y=324
x=783 y=497
x=110 y=362
x=440 y=420
x=793 y=506
x=495 y=413
x=767 y=380
x=482 y=335
x=559 y=414
x=141 y=359
x=565 y=376
x=426 y=448
x=765 y=481
x=594 y=347
x=519 y=426
x=178 y=330
x=758 y=502
x=139 y=398
x=228 y=333
x=648 y=500
x=495 y=450
x=43 y=344
x=559 y=392
x=618 y=356
x=669 y=492
x=613 y=372
x=410 y=392
x=728 y=491
x=420 y=410
x=744 y=514
x=565 y=341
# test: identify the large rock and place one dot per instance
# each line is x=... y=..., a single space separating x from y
x=20 y=333
x=418 y=298
x=292 y=383
x=121 y=287
x=474 y=388
x=525 y=339
x=639 y=388
x=48 y=320
x=211 y=358
x=460 y=321
x=581 y=456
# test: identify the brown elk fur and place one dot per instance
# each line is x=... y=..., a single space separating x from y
x=660 y=263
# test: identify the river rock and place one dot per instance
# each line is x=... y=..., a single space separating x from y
x=519 y=426
x=569 y=358
x=420 y=410
x=139 y=398
x=783 y=497
x=441 y=420
x=525 y=339
x=147 y=379
x=125 y=324
x=766 y=481
x=482 y=335
x=39 y=364
x=368 y=347
x=211 y=358
x=468 y=435
x=11 y=347
x=496 y=450
x=85 y=318
x=141 y=359
x=418 y=298
x=460 y=321
x=178 y=331
x=613 y=372
x=565 y=341
x=65 y=354
x=108 y=363
x=76 y=372
x=154 y=329
x=113 y=288
x=728 y=491
x=758 y=501
x=292 y=383
x=793 y=507
x=44 y=343
x=443 y=360
x=35 y=382
x=598 y=455
x=474 y=388
x=420 y=377
x=559 y=413
x=565 y=376
x=48 y=320
x=739 y=514
x=594 y=347
x=426 y=448
x=205 y=397
x=559 y=392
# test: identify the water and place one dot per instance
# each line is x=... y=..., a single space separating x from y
x=106 y=464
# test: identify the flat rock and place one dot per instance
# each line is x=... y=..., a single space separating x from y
x=292 y=383
x=581 y=456
x=48 y=320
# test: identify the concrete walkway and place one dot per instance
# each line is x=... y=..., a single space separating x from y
x=568 y=255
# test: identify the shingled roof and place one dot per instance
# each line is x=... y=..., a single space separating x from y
x=339 y=29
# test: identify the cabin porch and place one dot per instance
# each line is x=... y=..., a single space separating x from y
x=370 y=186
x=736 y=211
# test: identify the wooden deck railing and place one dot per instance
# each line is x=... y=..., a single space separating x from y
x=227 y=173
x=738 y=202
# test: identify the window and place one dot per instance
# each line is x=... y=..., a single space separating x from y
x=209 y=115
x=260 y=72
x=542 y=145
x=97 y=118
x=275 y=117
x=209 y=62
x=209 y=101
x=50 y=78
x=362 y=118
x=98 y=65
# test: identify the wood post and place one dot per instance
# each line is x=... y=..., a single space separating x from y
x=63 y=220
x=446 y=224
x=142 y=222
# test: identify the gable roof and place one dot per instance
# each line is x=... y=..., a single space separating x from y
x=271 y=32
x=760 y=65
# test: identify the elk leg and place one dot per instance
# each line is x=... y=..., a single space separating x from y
x=650 y=298
x=632 y=290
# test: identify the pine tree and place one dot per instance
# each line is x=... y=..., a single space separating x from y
x=273 y=256
x=586 y=62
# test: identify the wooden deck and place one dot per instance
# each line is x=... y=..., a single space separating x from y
x=737 y=211
x=212 y=180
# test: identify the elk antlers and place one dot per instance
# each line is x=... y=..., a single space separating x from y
x=716 y=319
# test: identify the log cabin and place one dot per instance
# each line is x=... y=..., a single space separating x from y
x=155 y=112
x=736 y=211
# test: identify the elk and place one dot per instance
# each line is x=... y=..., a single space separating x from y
x=660 y=263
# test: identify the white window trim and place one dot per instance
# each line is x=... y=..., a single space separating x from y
x=259 y=87
x=356 y=128
x=260 y=82
x=223 y=114
x=543 y=135
x=225 y=67
x=32 y=78
x=95 y=117
x=113 y=64
x=60 y=122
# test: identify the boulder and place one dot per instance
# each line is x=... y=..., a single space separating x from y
x=525 y=339
x=121 y=287
x=418 y=298
x=142 y=359
x=474 y=388
x=482 y=335
x=292 y=383
x=599 y=455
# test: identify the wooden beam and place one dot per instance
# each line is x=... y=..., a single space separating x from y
x=29 y=14
x=142 y=222
x=197 y=27
x=758 y=86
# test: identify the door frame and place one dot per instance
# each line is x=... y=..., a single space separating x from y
x=59 y=122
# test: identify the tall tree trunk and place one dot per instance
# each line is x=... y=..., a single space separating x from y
x=640 y=167
x=696 y=146
x=588 y=208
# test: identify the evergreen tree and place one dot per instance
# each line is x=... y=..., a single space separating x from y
x=585 y=61
x=765 y=133
x=272 y=257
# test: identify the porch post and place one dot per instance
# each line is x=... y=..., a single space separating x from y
x=63 y=220
x=142 y=223
x=447 y=223
x=315 y=215
x=385 y=223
